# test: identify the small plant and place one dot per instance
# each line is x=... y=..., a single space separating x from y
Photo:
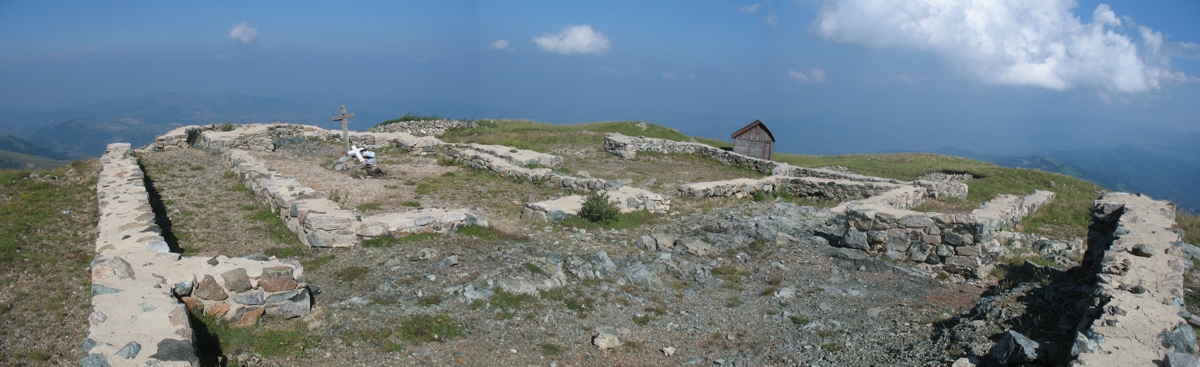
x=733 y=302
x=831 y=347
x=335 y=196
x=429 y=328
x=643 y=319
x=313 y=264
x=368 y=206
x=551 y=349
x=430 y=301
x=351 y=274
x=227 y=126
x=768 y=291
x=412 y=203
x=800 y=320
x=598 y=209
x=759 y=196
x=446 y=161
x=535 y=270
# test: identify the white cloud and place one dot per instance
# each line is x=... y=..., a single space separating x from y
x=1038 y=43
x=580 y=39
x=221 y=57
x=243 y=32
x=752 y=8
x=668 y=75
x=816 y=75
x=771 y=19
x=500 y=45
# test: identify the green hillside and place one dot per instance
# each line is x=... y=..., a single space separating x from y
x=10 y=160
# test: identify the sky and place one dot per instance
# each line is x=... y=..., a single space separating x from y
x=938 y=69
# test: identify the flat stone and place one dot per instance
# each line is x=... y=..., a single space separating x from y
x=1183 y=339
x=246 y=317
x=218 y=309
x=854 y=239
x=182 y=289
x=280 y=297
x=176 y=350
x=210 y=290
x=1016 y=348
x=606 y=338
x=129 y=350
x=1177 y=359
x=1142 y=250
x=112 y=268
x=94 y=360
x=236 y=280
x=296 y=306
x=252 y=298
x=961 y=261
x=277 y=279
x=968 y=250
x=698 y=247
x=98 y=289
x=915 y=221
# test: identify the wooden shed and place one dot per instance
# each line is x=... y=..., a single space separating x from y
x=754 y=140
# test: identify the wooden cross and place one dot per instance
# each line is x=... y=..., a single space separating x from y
x=345 y=119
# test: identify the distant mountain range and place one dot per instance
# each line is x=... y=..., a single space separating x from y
x=1161 y=170
x=84 y=131
x=1163 y=164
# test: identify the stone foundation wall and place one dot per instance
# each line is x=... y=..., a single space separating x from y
x=627 y=147
x=320 y=222
x=964 y=243
x=1136 y=315
x=798 y=186
x=137 y=317
x=627 y=199
x=423 y=128
x=483 y=161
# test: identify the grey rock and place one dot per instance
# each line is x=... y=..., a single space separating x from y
x=1016 y=348
x=258 y=256
x=249 y=298
x=639 y=273
x=606 y=337
x=555 y=216
x=210 y=290
x=968 y=250
x=1083 y=344
x=1177 y=359
x=1190 y=250
x=918 y=252
x=129 y=350
x=158 y=246
x=647 y=241
x=603 y=262
x=88 y=344
x=176 y=350
x=854 y=239
x=915 y=221
x=236 y=280
x=298 y=305
x=1183 y=339
x=452 y=260
x=282 y=296
x=896 y=245
x=94 y=360
x=1142 y=250
x=182 y=289
x=944 y=251
x=98 y=289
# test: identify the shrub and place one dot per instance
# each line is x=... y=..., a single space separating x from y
x=597 y=208
x=227 y=127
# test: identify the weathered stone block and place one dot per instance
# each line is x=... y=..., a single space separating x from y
x=210 y=290
x=277 y=279
x=236 y=280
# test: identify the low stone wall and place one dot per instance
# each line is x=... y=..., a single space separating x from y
x=518 y=157
x=627 y=147
x=484 y=161
x=1137 y=310
x=423 y=128
x=178 y=137
x=964 y=243
x=320 y=222
x=798 y=186
x=628 y=199
x=136 y=317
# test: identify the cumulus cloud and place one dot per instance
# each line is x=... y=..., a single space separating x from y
x=579 y=39
x=243 y=32
x=816 y=75
x=500 y=45
x=1037 y=43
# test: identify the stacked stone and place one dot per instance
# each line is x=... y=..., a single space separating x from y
x=797 y=186
x=423 y=127
x=627 y=147
x=484 y=161
x=136 y=279
x=404 y=141
x=245 y=290
x=627 y=199
x=177 y=138
x=320 y=222
x=1137 y=315
x=965 y=243
x=263 y=137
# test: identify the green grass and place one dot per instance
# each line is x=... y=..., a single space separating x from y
x=624 y=221
x=291 y=339
x=540 y=137
x=368 y=206
x=1190 y=224
x=489 y=233
x=1068 y=211
x=412 y=203
x=387 y=241
x=411 y=117
x=422 y=328
x=551 y=349
x=535 y=270
x=352 y=273
x=314 y=264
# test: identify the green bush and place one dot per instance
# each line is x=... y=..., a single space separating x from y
x=597 y=208
x=227 y=127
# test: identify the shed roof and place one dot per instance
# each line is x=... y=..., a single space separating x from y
x=751 y=126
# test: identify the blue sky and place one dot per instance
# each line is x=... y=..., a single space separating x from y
x=957 y=71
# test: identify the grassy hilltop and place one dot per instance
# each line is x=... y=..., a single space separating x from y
x=47 y=221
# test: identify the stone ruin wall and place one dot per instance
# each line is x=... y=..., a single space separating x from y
x=1136 y=315
x=423 y=127
x=141 y=290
